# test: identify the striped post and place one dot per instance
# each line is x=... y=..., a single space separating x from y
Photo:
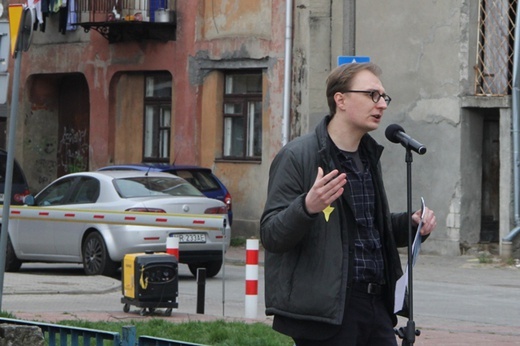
x=251 y=304
x=172 y=246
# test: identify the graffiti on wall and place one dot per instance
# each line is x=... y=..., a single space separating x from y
x=73 y=150
x=43 y=168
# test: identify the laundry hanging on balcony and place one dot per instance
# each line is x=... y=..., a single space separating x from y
x=65 y=10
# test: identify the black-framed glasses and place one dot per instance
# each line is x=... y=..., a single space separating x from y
x=374 y=94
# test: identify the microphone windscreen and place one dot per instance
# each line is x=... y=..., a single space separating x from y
x=391 y=132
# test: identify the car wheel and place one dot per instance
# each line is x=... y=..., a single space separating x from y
x=96 y=260
x=212 y=268
x=12 y=263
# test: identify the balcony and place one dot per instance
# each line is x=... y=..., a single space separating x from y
x=128 y=20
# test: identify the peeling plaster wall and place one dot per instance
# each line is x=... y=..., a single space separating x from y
x=311 y=64
x=90 y=54
x=425 y=51
x=506 y=187
x=418 y=44
x=422 y=47
x=236 y=18
x=421 y=50
x=38 y=154
x=229 y=38
x=471 y=177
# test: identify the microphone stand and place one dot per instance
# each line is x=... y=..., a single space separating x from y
x=408 y=333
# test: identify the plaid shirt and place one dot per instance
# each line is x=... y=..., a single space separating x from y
x=368 y=256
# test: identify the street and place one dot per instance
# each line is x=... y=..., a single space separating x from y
x=457 y=300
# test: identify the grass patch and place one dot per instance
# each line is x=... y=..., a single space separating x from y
x=238 y=241
x=485 y=258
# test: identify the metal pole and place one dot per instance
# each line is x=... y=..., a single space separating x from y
x=224 y=222
x=410 y=326
x=287 y=73
x=9 y=170
x=201 y=289
x=507 y=242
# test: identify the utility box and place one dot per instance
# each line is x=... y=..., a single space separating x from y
x=150 y=281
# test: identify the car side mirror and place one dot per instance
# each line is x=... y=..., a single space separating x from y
x=28 y=200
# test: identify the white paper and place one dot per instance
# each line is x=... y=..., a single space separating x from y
x=402 y=283
x=400 y=291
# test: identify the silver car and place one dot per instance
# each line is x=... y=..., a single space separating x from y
x=47 y=228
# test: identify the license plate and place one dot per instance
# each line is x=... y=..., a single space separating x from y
x=192 y=238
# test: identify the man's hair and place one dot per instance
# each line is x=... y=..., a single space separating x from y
x=340 y=80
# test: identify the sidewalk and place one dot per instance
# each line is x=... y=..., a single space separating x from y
x=45 y=284
x=446 y=331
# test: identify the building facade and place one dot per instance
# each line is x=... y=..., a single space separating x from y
x=203 y=82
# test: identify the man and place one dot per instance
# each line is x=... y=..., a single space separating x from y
x=330 y=239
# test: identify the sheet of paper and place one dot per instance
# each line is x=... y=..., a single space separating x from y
x=402 y=282
x=400 y=292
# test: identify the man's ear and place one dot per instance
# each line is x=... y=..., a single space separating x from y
x=340 y=100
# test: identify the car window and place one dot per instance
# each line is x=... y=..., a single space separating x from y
x=154 y=186
x=202 y=180
x=55 y=194
x=87 y=191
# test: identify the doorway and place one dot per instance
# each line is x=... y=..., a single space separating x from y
x=489 y=231
x=56 y=126
x=73 y=130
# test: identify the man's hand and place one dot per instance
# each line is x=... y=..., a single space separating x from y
x=326 y=189
x=429 y=220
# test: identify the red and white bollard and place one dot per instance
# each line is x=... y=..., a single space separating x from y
x=172 y=246
x=251 y=304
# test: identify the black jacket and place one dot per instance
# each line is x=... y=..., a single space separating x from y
x=309 y=260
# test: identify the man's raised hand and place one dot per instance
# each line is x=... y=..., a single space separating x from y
x=326 y=189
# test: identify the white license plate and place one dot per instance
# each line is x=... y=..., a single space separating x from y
x=192 y=238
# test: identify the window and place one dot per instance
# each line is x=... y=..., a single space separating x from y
x=57 y=193
x=154 y=186
x=201 y=179
x=494 y=67
x=87 y=191
x=243 y=116
x=157 y=117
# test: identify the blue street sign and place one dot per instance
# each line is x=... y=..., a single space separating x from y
x=343 y=59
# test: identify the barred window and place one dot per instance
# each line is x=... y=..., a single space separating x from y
x=494 y=68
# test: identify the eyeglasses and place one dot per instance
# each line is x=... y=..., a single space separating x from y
x=374 y=94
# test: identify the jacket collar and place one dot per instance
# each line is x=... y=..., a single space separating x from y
x=368 y=144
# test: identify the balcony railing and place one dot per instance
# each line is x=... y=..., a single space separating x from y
x=127 y=20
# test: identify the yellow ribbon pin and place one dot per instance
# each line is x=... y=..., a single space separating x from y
x=327 y=211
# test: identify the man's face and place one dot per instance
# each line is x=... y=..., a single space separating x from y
x=361 y=111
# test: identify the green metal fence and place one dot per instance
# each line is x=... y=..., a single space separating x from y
x=58 y=335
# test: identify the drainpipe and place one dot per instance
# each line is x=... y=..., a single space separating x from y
x=287 y=73
x=507 y=242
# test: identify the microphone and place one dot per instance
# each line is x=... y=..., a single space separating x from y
x=395 y=134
